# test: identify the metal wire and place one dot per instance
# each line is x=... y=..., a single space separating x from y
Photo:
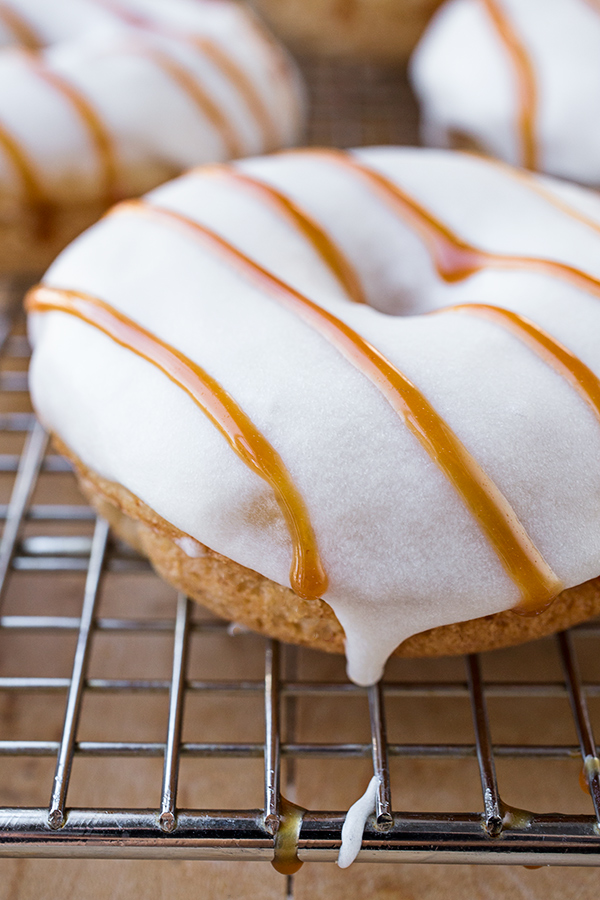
x=56 y=812
x=494 y=834
x=485 y=753
x=167 y=817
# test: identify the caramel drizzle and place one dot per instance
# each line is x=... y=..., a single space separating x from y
x=245 y=88
x=551 y=351
x=594 y=4
x=307 y=575
x=36 y=198
x=209 y=108
x=533 y=184
x=92 y=122
x=284 y=66
x=285 y=857
x=520 y=558
x=455 y=259
x=525 y=74
x=220 y=59
x=320 y=240
x=19 y=26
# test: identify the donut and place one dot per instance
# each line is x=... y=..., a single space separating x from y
x=345 y=398
x=104 y=99
x=385 y=31
x=516 y=79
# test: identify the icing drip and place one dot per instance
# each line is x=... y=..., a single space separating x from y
x=320 y=240
x=99 y=134
x=525 y=74
x=190 y=547
x=520 y=558
x=307 y=576
x=23 y=32
x=453 y=258
x=354 y=824
x=209 y=108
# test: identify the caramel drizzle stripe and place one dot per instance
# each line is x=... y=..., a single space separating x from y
x=227 y=67
x=21 y=29
x=90 y=119
x=24 y=166
x=285 y=67
x=454 y=259
x=526 y=79
x=520 y=558
x=307 y=575
x=320 y=240
x=41 y=206
x=533 y=184
x=211 y=110
x=547 y=348
x=245 y=88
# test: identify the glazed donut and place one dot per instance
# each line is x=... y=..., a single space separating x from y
x=366 y=377
x=516 y=79
x=105 y=99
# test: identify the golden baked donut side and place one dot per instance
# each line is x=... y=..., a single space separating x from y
x=241 y=595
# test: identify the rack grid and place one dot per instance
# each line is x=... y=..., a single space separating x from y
x=52 y=539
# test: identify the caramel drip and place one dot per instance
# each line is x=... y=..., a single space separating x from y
x=19 y=26
x=453 y=258
x=519 y=556
x=555 y=354
x=209 y=108
x=41 y=206
x=285 y=859
x=320 y=240
x=91 y=120
x=583 y=781
x=525 y=74
x=307 y=576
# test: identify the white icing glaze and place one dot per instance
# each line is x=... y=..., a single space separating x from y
x=155 y=125
x=402 y=552
x=467 y=83
x=190 y=547
x=354 y=825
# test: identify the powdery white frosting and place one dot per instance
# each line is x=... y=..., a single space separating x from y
x=354 y=825
x=466 y=82
x=402 y=552
x=156 y=127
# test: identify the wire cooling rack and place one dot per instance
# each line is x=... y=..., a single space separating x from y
x=50 y=535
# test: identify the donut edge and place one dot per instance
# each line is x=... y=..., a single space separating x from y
x=239 y=594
